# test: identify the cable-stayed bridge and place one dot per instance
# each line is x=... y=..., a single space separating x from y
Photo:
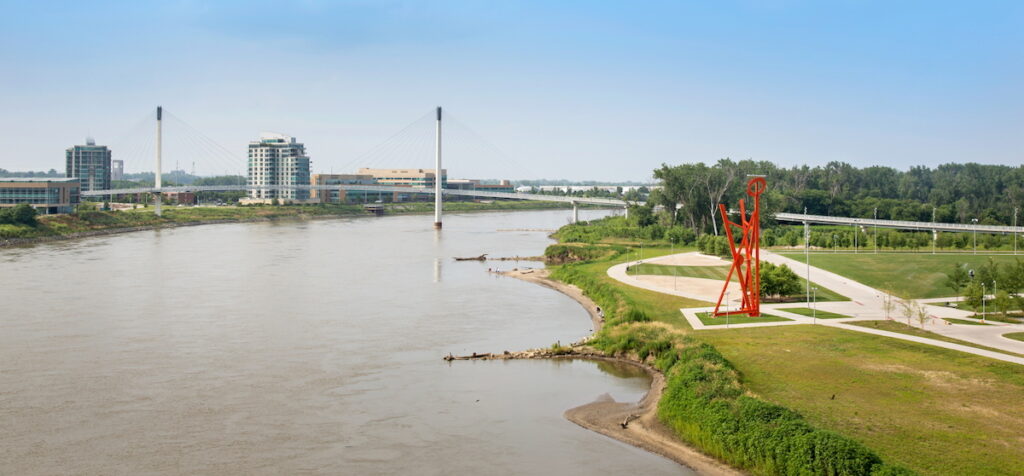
x=410 y=147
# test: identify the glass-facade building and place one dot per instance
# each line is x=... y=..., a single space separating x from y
x=278 y=160
x=46 y=195
x=90 y=163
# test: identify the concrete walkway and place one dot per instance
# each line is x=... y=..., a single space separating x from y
x=865 y=304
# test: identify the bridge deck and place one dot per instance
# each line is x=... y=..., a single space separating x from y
x=365 y=188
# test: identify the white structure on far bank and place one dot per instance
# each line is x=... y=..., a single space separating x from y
x=274 y=160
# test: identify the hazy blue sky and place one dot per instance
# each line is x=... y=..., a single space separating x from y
x=575 y=89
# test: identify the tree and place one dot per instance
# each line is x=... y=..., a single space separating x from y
x=1002 y=302
x=921 y=312
x=957 y=279
x=909 y=309
x=888 y=304
x=973 y=294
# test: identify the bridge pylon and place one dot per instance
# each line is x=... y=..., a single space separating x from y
x=157 y=174
x=437 y=174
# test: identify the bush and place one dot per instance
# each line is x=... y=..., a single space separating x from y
x=22 y=214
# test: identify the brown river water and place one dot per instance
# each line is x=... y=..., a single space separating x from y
x=298 y=348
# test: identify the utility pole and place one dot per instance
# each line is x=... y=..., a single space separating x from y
x=157 y=179
x=437 y=174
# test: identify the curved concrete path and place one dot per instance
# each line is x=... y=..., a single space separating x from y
x=865 y=304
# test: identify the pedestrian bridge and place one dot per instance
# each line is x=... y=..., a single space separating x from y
x=611 y=202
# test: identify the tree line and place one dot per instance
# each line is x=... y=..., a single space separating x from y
x=953 y=193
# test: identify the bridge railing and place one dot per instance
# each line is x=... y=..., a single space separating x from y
x=901 y=224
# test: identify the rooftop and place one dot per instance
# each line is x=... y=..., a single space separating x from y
x=38 y=179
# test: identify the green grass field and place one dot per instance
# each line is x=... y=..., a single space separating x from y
x=719 y=273
x=806 y=311
x=1015 y=336
x=899 y=327
x=705 y=317
x=966 y=322
x=934 y=410
x=908 y=275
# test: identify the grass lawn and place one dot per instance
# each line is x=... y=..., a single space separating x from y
x=806 y=311
x=719 y=273
x=998 y=317
x=934 y=410
x=908 y=275
x=1015 y=336
x=660 y=307
x=894 y=326
x=706 y=318
x=968 y=322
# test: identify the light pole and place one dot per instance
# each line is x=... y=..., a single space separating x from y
x=854 y=238
x=1014 y=230
x=807 y=253
x=727 y=309
x=876 y=230
x=982 y=302
x=975 y=221
x=935 y=233
x=835 y=244
x=814 y=308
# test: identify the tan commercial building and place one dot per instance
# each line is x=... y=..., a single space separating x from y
x=47 y=195
x=421 y=178
x=340 y=196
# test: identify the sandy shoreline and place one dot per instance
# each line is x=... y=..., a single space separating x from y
x=644 y=430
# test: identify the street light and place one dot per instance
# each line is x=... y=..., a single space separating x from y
x=983 y=302
x=814 y=308
x=727 y=309
x=1015 y=229
x=876 y=230
x=975 y=221
x=835 y=244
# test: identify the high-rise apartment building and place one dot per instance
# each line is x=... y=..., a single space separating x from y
x=276 y=160
x=90 y=163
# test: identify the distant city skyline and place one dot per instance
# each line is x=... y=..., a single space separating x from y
x=575 y=90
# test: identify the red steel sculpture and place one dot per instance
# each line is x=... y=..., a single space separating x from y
x=746 y=258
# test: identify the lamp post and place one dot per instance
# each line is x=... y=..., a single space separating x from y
x=814 y=308
x=975 y=221
x=727 y=309
x=935 y=233
x=1014 y=230
x=876 y=230
x=982 y=302
x=835 y=244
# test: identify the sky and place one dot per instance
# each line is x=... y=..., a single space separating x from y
x=584 y=90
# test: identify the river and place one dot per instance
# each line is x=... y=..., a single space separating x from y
x=298 y=347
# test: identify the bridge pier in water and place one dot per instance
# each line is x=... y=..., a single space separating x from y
x=575 y=212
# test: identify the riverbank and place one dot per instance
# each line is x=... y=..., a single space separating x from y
x=541 y=276
x=98 y=223
x=633 y=423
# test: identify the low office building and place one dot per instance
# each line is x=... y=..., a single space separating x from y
x=46 y=194
x=471 y=184
x=419 y=178
x=341 y=196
